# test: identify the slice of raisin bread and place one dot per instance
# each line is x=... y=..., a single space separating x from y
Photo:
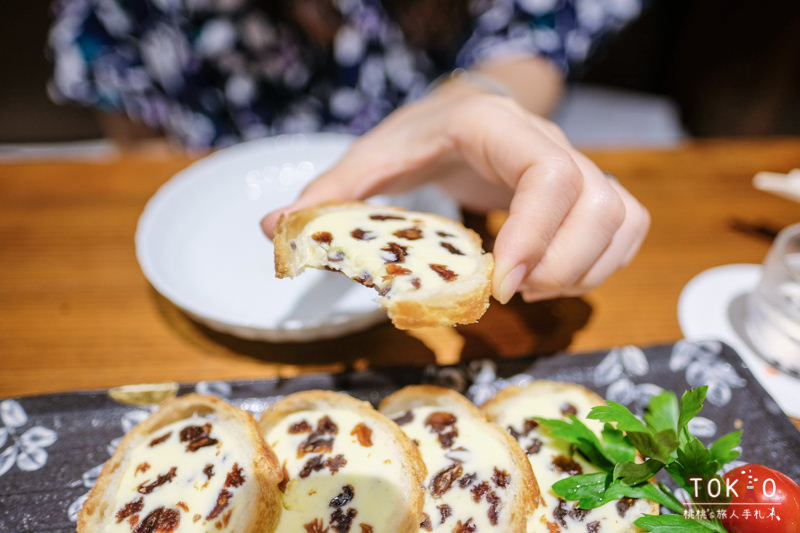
x=197 y=464
x=554 y=459
x=478 y=477
x=346 y=467
x=429 y=270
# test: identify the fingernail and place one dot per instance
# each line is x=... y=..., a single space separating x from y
x=510 y=284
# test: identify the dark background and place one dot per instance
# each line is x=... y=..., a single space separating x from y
x=732 y=66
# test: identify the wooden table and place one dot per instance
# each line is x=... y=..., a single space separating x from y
x=76 y=312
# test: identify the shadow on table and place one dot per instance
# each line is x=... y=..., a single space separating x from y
x=507 y=331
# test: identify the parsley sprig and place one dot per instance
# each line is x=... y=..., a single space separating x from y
x=663 y=439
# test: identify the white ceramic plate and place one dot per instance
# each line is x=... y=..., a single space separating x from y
x=713 y=306
x=199 y=243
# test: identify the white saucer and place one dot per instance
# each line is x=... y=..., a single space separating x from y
x=199 y=243
x=713 y=305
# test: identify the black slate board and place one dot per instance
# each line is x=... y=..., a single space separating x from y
x=53 y=446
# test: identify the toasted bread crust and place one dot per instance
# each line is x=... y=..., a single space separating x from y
x=542 y=387
x=462 y=302
x=265 y=506
x=410 y=457
x=527 y=497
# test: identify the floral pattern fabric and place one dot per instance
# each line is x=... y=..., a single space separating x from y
x=214 y=72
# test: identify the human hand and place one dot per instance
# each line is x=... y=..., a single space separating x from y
x=569 y=225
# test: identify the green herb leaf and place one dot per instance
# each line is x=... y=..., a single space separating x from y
x=691 y=404
x=662 y=412
x=632 y=473
x=589 y=489
x=575 y=432
x=673 y=523
x=722 y=451
x=620 y=415
x=617 y=445
x=657 y=446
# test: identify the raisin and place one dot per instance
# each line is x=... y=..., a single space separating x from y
x=198 y=437
x=130 y=508
x=576 y=513
x=393 y=270
x=534 y=448
x=438 y=421
x=416 y=283
x=362 y=235
x=444 y=272
x=235 y=478
x=158 y=440
x=467 y=480
x=141 y=468
x=322 y=237
x=316 y=443
x=479 y=491
x=395 y=253
x=444 y=234
x=300 y=427
x=624 y=504
x=593 y=527
x=365 y=528
x=530 y=425
x=567 y=465
x=409 y=234
x=446 y=439
x=209 y=471
x=450 y=248
x=341 y=521
x=501 y=478
x=182 y=506
x=404 y=419
x=445 y=511
x=336 y=256
x=386 y=217
x=514 y=433
x=366 y=280
x=315 y=526
x=494 y=502
x=343 y=498
x=223 y=499
x=363 y=433
x=444 y=479
x=160 y=520
x=466 y=527
x=315 y=464
x=426 y=522
x=160 y=480
x=569 y=409
x=560 y=512
x=335 y=463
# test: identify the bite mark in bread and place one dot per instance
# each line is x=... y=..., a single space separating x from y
x=428 y=270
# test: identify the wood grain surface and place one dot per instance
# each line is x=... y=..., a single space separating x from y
x=76 y=311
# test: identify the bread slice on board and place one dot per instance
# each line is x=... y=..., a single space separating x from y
x=552 y=459
x=478 y=477
x=196 y=464
x=429 y=270
x=346 y=466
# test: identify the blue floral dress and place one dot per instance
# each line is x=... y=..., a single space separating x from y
x=214 y=72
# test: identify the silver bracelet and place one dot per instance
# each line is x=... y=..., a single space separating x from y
x=481 y=81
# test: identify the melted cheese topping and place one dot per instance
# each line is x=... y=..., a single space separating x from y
x=477 y=455
x=185 y=472
x=558 y=514
x=365 y=248
x=371 y=472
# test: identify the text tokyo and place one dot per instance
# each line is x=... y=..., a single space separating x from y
x=716 y=487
